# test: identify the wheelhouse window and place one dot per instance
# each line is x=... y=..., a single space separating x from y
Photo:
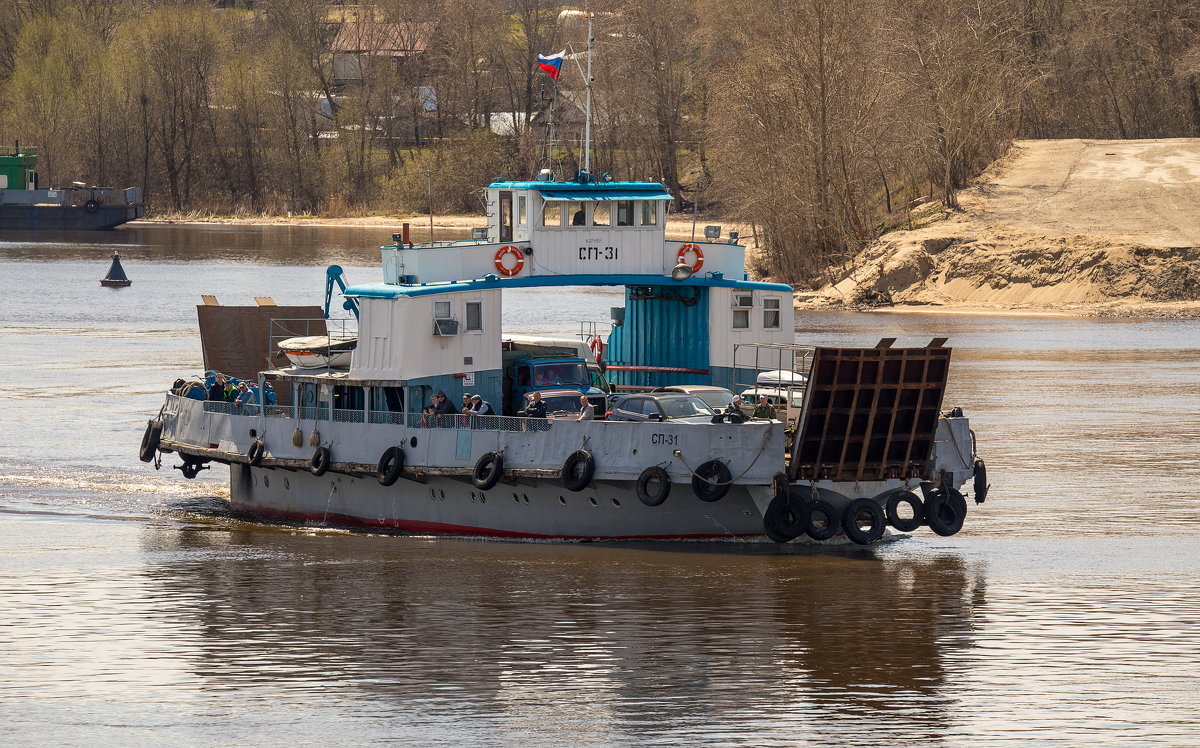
x=601 y=215
x=649 y=212
x=577 y=212
x=552 y=214
x=506 y=216
x=474 y=316
x=741 y=319
x=441 y=310
x=770 y=314
x=521 y=211
x=625 y=213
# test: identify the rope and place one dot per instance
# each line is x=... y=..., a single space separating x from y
x=731 y=481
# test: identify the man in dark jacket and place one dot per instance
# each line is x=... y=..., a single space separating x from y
x=442 y=405
x=536 y=407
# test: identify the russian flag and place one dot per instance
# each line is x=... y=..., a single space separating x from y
x=552 y=64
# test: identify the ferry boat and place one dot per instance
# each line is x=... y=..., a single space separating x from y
x=354 y=444
x=23 y=206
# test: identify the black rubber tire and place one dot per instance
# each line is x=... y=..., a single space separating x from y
x=780 y=520
x=832 y=524
x=391 y=466
x=488 y=469
x=981 y=485
x=711 y=481
x=91 y=206
x=945 y=514
x=150 y=440
x=319 y=464
x=578 y=470
x=798 y=525
x=857 y=511
x=893 y=514
x=190 y=469
x=650 y=475
x=258 y=450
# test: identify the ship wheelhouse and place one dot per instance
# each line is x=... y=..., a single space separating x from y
x=433 y=322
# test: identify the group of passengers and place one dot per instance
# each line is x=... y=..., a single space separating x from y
x=240 y=392
x=440 y=407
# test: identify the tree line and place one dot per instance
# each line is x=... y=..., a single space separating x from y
x=822 y=122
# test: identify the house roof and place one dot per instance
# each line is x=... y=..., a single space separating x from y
x=383 y=39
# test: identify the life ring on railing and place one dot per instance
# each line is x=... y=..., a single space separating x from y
x=597 y=347
x=509 y=249
x=694 y=248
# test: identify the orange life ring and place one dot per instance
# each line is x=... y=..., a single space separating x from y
x=597 y=346
x=501 y=268
x=699 y=256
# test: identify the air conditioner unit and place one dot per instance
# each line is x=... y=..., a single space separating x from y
x=743 y=301
x=445 y=326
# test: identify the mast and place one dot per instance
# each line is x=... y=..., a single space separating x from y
x=587 y=123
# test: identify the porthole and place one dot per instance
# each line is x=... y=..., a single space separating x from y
x=635 y=451
x=432 y=495
x=593 y=500
x=482 y=498
x=526 y=497
x=443 y=493
x=516 y=499
x=562 y=500
x=413 y=442
x=616 y=503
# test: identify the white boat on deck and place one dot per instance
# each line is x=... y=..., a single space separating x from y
x=319 y=351
x=357 y=446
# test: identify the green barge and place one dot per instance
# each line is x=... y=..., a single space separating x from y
x=23 y=206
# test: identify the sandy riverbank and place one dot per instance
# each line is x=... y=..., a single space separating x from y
x=1063 y=226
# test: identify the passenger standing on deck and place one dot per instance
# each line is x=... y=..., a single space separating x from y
x=537 y=407
x=482 y=407
x=216 y=391
x=587 y=412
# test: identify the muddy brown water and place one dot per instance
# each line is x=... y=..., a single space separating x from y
x=135 y=610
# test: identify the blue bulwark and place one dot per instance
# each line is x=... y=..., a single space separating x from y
x=553 y=195
x=392 y=291
x=577 y=188
x=664 y=326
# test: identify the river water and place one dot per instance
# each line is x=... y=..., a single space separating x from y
x=135 y=610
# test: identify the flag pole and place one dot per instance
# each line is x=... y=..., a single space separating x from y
x=587 y=125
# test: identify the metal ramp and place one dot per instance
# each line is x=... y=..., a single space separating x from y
x=870 y=413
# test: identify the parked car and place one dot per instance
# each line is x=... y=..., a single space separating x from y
x=666 y=406
x=716 y=397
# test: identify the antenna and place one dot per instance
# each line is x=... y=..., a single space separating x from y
x=587 y=124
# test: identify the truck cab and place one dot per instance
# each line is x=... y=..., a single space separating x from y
x=525 y=374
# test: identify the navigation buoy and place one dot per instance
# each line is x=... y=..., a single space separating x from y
x=116 y=277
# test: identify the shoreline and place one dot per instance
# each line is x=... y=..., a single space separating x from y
x=1132 y=309
x=677 y=227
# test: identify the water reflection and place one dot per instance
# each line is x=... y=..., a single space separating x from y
x=264 y=245
x=679 y=641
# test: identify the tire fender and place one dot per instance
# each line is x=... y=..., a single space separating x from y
x=893 y=514
x=258 y=450
x=391 y=465
x=652 y=474
x=319 y=464
x=710 y=481
x=859 y=510
x=578 y=470
x=150 y=440
x=488 y=469
x=829 y=519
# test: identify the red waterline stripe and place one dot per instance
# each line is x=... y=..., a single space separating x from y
x=441 y=528
x=671 y=369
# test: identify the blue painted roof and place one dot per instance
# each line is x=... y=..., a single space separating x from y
x=392 y=291
x=651 y=190
x=627 y=194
